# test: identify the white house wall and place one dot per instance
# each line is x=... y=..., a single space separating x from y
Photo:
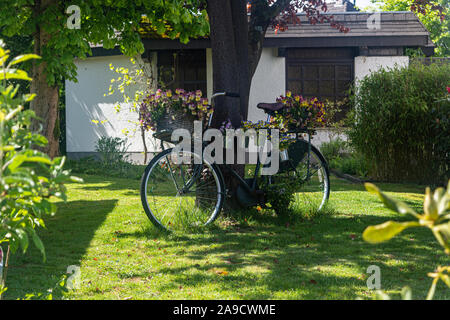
x=269 y=82
x=85 y=101
x=365 y=65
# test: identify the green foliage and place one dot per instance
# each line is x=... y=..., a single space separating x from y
x=112 y=151
x=28 y=177
x=354 y=165
x=334 y=148
x=91 y=166
x=133 y=83
x=341 y=157
x=101 y=22
x=401 y=120
x=114 y=161
x=436 y=217
x=439 y=30
x=280 y=196
x=114 y=158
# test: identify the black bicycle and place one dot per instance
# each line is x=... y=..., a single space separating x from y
x=176 y=195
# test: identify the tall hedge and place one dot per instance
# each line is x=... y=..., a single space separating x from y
x=401 y=123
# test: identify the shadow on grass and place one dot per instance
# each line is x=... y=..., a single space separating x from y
x=264 y=257
x=66 y=239
x=302 y=256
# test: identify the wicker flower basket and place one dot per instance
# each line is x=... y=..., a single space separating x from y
x=175 y=120
x=165 y=111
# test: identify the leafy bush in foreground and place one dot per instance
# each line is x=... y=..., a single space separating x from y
x=28 y=177
x=436 y=217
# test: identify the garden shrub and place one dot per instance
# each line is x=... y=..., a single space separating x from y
x=401 y=123
x=342 y=157
x=113 y=161
x=334 y=148
x=113 y=151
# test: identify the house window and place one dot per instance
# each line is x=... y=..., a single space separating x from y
x=184 y=69
x=323 y=73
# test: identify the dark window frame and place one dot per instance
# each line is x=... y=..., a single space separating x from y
x=302 y=63
x=181 y=64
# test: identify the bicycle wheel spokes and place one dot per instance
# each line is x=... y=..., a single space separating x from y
x=312 y=190
x=181 y=195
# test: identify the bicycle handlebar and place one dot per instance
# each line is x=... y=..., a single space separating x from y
x=227 y=94
x=217 y=94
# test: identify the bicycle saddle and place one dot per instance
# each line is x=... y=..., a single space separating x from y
x=270 y=107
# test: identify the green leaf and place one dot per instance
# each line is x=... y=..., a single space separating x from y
x=18 y=179
x=446 y=279
x=406 y=293
x=76 y=179
x=23 y=58
x=386 y=231
x=38 y=242
x=39 y=159
x=392 y=204
x=16 y=162
x=8 y=148
x=380 y=295
x=14 y=74
x=23 y=239
x=442 y=234
x=29 y=97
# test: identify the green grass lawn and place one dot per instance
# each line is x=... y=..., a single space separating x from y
x=103 y=229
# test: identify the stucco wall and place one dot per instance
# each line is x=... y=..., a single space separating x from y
x=365 y=65
x=269 y=82
x=85 y=101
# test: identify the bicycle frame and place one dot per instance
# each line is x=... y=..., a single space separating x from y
x=249 y=186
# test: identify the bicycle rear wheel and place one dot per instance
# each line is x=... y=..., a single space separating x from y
x=180 y=196
x=308 y=172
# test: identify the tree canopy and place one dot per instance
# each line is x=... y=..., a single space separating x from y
x=109 y=23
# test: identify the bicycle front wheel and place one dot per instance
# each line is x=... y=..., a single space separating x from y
x=180 y=195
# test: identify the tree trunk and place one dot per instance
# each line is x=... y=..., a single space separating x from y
x=228 y=49
x=225 y=64
x=236 y=50
x=237 y=42
x=46 y=102
x=240 y=29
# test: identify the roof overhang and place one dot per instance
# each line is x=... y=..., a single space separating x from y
x=396 y=29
